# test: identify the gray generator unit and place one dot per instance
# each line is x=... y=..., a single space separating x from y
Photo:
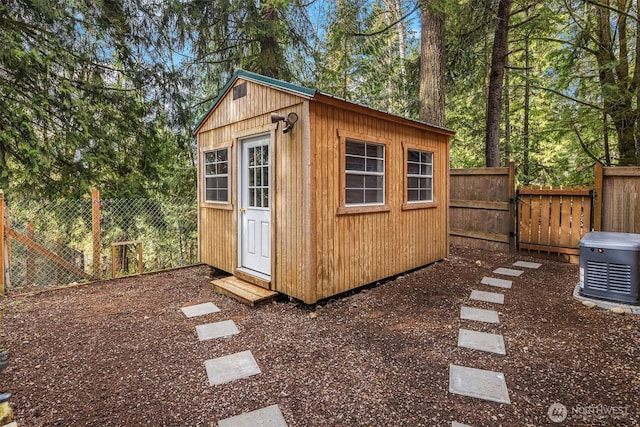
x=610 y=266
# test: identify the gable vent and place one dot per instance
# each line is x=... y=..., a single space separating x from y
x=240 y=91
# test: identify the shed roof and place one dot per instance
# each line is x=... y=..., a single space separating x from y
x=297 y=90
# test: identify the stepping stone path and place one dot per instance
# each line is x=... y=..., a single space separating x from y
x=487 y=297
x=508 y=272
x=216 y=330
x=498 y=283
x=482 y=341
x=479 y=383
x=525 y=264
x=265 y=417
x=487 y=385
x=233 y=367
x=479 y=314
x=200 y=309
x=222 y=370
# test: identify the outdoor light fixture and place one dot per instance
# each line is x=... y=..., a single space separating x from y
x=290 y=120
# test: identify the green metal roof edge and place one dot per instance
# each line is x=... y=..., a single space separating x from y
x=257 y=78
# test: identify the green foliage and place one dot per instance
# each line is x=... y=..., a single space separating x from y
x=553 y=60
x=366 y=55
x=104 y=94
x=76 y=100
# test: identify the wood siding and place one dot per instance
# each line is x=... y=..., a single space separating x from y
x=356 y=249
x=481 y=213
x=218 y=233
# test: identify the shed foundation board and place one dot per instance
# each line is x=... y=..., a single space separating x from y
x=200 y=309
x=491 y=343
x=525 y=264
x=478 y=383
x=271 y=416
x=216 y=330
x=487 y=296
x=499 y=283
x=479 y=315
x=457 y=424
x=230 y=368
x=508 y=272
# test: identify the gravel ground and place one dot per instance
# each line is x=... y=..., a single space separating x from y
x=121 y=353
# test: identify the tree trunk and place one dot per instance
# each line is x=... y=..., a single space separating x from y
x=402 y=51
x=494 y=97
x=527 y=109
x=270 y=60
x=636 y=78
x=507 y=115
x=614 y=77
x=432 y=66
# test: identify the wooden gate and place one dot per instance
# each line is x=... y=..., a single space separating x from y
x=554 y=219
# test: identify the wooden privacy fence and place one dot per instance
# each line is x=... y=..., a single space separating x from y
x=618 y=207
x=481 y=207
x=554 y=219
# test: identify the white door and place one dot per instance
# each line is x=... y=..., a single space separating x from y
x=255 y=205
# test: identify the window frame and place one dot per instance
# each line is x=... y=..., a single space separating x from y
x=419 y=204
x=345 y=208
x=216 y=203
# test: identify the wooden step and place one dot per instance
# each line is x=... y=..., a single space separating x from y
x=242 y=291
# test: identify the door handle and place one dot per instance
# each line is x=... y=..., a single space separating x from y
x=242 y=210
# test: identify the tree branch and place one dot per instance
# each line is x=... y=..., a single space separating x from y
x=386 y=28
x=570 y=98
x=584 y=146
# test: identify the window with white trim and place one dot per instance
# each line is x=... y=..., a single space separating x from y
x=364 y=173
x=216 y=175
x=419 y=176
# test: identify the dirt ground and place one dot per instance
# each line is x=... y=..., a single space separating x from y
x=121 y=353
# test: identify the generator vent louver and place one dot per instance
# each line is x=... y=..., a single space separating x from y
x=609 y=277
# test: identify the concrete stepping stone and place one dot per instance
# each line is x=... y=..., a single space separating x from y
x=500 y=283
x=525 y=264
x=232 y=367
x=482 y=341
x=271 y=416
x=478 y=383
x=487 y=296
x=216 y=330
x=508 y=272
x=200 y=309
x=479 y=314
x=457 y=424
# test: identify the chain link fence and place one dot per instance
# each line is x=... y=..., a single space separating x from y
x=52 y=243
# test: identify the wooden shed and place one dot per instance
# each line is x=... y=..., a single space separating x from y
x=343 y=197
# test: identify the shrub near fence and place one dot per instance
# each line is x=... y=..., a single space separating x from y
x=57 y=242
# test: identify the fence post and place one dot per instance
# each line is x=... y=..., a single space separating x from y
x=2 y=254
x=31 y=257
x=512 y=207
x=95 y=215
x=597 y=201
x=61 y=254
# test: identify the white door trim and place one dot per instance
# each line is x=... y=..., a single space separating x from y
x=255 y=201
